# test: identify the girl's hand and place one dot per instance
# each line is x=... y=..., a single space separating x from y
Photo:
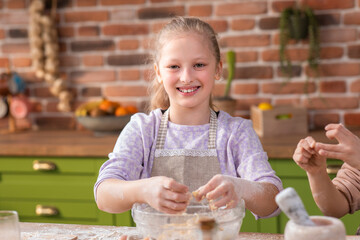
x=348 y=148
x=219 y=191
x=166 y=195
x=307 y=158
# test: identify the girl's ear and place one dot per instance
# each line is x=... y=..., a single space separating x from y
x=218 y=71
x=157 y=72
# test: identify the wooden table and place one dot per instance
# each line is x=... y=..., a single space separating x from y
x=34 y=231
x=84 y=143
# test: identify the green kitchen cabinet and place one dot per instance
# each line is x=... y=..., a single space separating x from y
x=54 y=190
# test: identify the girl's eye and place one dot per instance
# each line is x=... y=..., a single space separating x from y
x=174 y=67
x=199 y=65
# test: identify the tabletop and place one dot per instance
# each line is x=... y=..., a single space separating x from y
x=41 y=231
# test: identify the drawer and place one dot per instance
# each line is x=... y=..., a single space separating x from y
x=46 y=187
x=49 y=165
x=56 y=211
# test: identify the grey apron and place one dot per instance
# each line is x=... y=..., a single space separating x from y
x=191 y=167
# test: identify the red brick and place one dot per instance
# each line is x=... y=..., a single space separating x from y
x=123 y=14
x=243 y=8
x=86 y=3
x=4 y=63
x=160 y=1
x=125 y=29
x=278 y=6
x=69 y=61
x=242 y=24
x=15 y=48
x=245 y=88
x=246 y=41
x=218 y=25
x=14 y=17
x=355 y=86
x=328 y=4
x=93 y=60
x=125 y=91
x=294 y=101
x=269 y=23
x=332 y=86
x=200 y=10
x=257 y=72
x=352 y=119
x=332 y=103
x=128 y=44
x=21 y=62
x=91 y=92
x=93 y=76
x=127 y=60
x=120 y=2
x=323 y=119
x=128 y=74
x=354 y=51
x=86 y=16
x=246 y=56
x=331 y=52
x=42 y=92
x=328 y=19
x=88 y=31
x=338 y=35
x=160 y=12
x=66 y=32
x=96 y=45
x=2 y=34
x=270 y=55
x=289 y=87
x=16 y=4
x=339 y=69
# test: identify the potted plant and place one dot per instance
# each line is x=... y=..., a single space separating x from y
x=299 y=23
x=226 y=103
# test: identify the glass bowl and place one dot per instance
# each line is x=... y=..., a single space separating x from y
x=158 y=225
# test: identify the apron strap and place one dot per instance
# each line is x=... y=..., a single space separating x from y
x=160 y=141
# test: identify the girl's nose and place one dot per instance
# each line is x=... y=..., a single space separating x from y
x=186 y=76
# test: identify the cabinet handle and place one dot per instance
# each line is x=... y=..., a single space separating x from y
x=42 y=210
x=333 y=169
x=43 y=165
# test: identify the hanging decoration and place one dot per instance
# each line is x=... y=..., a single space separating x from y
x=45 y=51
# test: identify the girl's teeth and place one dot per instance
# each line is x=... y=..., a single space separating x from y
x=187 y=90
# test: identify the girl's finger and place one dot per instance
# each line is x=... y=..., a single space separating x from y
x=175 y=186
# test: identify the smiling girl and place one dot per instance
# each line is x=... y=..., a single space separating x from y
x=183 y=145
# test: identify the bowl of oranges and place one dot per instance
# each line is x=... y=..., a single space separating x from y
x=104 y=116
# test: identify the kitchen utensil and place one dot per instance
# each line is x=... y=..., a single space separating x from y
x=104 y=124
x=324 y=228
x=291 y=204
x=158 y=225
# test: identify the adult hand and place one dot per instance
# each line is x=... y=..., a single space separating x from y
x=166 y=195
x=307 y=158
x=347 y=149
x=219 y=191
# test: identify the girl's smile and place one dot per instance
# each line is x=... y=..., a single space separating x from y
x=187 y=68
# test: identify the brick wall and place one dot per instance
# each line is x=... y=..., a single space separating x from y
x=104 y=45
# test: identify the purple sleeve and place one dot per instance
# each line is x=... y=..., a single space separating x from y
x=252 y=162
x=131 y=152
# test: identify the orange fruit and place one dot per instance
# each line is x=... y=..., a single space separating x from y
x=120 y=111
x=108 y=106
x=131 y=109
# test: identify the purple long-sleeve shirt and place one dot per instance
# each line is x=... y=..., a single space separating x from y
x=239 y=149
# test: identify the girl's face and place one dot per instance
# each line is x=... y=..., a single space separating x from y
x=188 y=69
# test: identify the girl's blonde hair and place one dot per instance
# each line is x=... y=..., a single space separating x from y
x=178 y=25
